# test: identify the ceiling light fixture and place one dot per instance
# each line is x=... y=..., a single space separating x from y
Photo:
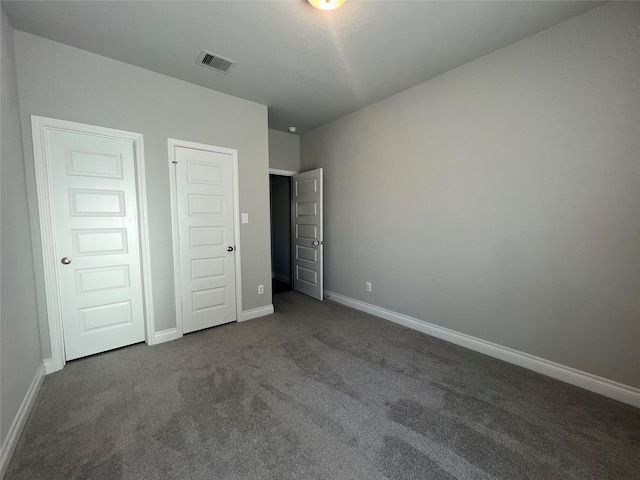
x=292 y=129
x=326 y=4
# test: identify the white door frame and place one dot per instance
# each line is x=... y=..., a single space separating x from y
x=282 y=173
x=172 y=144
x=39 y=127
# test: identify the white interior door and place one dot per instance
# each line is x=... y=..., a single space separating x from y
x=308 y=243
x=93 y=188
x=205 y=204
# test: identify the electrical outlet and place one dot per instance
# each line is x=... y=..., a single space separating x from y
x=260 y=289
x=367 y=286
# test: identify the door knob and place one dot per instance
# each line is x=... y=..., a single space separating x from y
x=316 y=243
x=65 y=260
x=229 y=249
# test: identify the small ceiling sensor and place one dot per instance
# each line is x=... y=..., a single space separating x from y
x=292 y=129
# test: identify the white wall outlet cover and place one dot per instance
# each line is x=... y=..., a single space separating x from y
x=260 y=289
x=245 y=218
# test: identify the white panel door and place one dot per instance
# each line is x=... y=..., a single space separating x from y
x=204 y=191
x=93 y=183
x=308 y=243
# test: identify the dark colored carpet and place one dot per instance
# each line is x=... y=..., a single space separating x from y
x=318 y=391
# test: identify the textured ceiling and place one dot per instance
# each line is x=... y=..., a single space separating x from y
x=308 y=66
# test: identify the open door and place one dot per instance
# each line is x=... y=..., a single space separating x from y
x=306 y=213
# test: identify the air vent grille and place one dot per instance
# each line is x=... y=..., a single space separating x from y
x=215 y=62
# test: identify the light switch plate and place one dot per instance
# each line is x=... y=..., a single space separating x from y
x=245 y=218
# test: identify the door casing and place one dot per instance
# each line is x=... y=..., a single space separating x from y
x=39 y=127
x=172 y=143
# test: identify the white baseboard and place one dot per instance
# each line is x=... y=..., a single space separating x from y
x=11 y=441
x=50 y=366
x=588 y=381
x=256 y=312
x=165 y=336
x=282 y=278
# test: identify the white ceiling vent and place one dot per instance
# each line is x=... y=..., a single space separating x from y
x=215 y=62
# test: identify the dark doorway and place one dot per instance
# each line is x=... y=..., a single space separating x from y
x=280 y=195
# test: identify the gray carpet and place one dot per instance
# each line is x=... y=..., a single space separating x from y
x=318 y=391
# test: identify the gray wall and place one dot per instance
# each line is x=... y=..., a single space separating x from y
x=501 y=199
x=63 y=82
x=281 y=225
x=20 y=340
x=284 y=151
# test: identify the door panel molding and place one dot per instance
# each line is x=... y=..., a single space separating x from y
x=39 y=127
x=172 y=145
x=307 y=233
